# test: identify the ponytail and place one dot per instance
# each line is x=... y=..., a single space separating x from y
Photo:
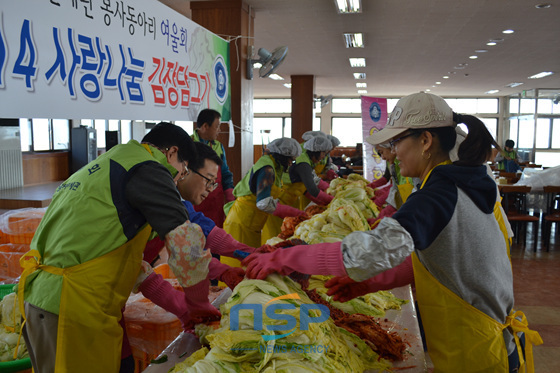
x=476 y=149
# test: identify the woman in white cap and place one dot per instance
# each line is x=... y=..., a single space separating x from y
x=256 y=195
x=462 y=272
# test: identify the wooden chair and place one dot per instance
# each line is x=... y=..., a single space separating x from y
x=511 y=177
x=552 y=212
x=514 y=203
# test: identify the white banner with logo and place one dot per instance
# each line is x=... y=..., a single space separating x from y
x=374 y=118
x=107 y=59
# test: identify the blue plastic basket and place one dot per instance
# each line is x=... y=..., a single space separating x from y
x=16 y=365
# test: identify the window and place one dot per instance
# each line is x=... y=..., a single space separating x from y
x=126 y=131
x=100 y=127
x=272 y=105
x=513 y=130
x=526 y=133
x=346 y=105
x=514 y=106
x=61 y=134
x=556 y=134
x=267 y=129
x=188 y=126
x=41 y=134
x=347 y=130
x=492 y=125
x=527 y=106
x=25 y=134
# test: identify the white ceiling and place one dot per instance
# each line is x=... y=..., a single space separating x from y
x=410 y=45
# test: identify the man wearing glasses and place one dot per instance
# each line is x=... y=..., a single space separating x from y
x=208 y=128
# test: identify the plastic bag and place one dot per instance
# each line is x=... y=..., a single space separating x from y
x=537 y=179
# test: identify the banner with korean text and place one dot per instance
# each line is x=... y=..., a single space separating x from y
x=108 y=59
x=374 y=118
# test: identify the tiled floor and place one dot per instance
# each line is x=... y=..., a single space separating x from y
x=536 y=284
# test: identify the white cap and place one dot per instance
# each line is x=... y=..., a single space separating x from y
x=310 y=134
x=318 y=144
x=416 y=111
x=335 y=141
x=285 y=146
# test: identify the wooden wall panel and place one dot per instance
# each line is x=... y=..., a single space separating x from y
x=41 y=168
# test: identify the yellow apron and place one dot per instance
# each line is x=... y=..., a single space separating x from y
x=404 y=191
x=462 y=338
x=291 y=195
x=93 y=294
x=319 y=168
x=245 y=222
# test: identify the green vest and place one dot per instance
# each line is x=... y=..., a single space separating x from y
x=87 y=218
x=303 y=158
x=401 y=179
x=502 y=163
x=215 y=145
x=242 y=188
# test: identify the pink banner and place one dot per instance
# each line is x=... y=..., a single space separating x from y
x=374 y=118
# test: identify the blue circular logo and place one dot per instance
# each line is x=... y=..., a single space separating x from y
x=222 y=79
x=375 y=112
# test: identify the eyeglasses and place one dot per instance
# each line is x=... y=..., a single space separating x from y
x=394 y=142
x=210 y=184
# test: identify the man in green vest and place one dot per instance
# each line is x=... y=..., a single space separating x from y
x=207 y=130
x=508 y=159
x=86 y=254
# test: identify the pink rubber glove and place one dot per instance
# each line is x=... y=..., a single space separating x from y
x=381 y=196
x=331 y=174
x=342 y=289
x=198 y=304
x=162 y=293
x=230 y=275
x=221 y=243
x=285 y=211
x=152 y=249
x=323 y=185
x=322 y=198
x=228 y=193
x=318 y=259
x=216 y=269
x=377 y=183
x=233 y=276
x=387 y=212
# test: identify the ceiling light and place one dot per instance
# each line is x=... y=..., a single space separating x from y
x=491 y=43
x=541 y=75
x=481 y=50
x=491 y=92
x=275 y=77
x=353 y=40
x=288 y=85
x=359 y=75
x=257 y=65
x=361 y=85
x=438 y=82
x=445 y=77
x=348 y=6
x=357 y=62
x=427 y=90
x=508 y=31
x=362 y=91
x=543 y=6
x=473 y=57
x=513 y=85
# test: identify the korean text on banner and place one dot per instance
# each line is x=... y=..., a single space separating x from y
x=374 y=118
x=125 y=59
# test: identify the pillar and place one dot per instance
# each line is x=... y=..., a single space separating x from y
x=233 y=18
x=303 y=102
